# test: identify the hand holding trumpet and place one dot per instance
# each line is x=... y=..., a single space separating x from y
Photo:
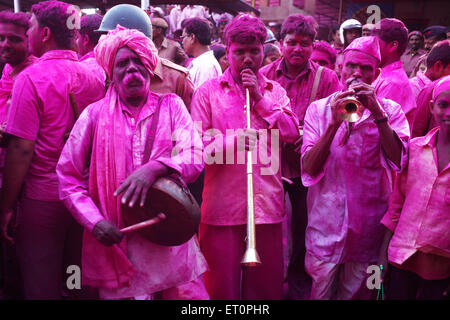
x=250 y=82
x=366 y=95
x=348 y=105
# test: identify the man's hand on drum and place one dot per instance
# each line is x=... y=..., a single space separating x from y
x=107 y=233
x=136 y=186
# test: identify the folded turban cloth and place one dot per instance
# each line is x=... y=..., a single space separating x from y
x=108 y=45
x=441 y=86
x=368 y=45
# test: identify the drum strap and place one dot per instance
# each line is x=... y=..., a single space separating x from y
x=149 y=146
x=152 y=134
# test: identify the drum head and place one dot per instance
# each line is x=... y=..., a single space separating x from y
x=181 y=210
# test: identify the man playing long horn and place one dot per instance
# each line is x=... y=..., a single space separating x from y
x=219 y=105
x=109 y=141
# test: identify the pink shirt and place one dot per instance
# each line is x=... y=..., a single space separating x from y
x=423 y=119
x=89 y=61
x=218 y=105
x=299 y=92
x=393 y=84
x=299 y=89
x=348 y=198
x=6 y=86
x=40 y=111
x=158 y=267
x=419 y=211
x=418 y=83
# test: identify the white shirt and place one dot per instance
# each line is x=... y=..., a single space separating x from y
x=203 y=68
x=191 y=11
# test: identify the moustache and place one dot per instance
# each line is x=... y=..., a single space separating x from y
x=133 y=79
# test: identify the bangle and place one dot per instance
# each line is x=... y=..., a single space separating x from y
x=384 y=119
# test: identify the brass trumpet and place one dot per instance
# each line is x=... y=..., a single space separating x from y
x=350 y=109
x=251 y=257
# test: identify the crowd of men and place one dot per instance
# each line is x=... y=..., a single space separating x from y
x=90 y=118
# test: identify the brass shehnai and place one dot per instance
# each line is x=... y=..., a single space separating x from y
x=350 y=109
x=251 y=257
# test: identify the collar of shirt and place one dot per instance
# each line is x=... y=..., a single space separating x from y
x=413 y=53
x=392 y=66
x=88 y=55
x=226 y=80
x=281 y=69
x=158 y=70
x=165 y=43
x=208 y=55
x=429 y=139
x=59 y=54
x=147 y=109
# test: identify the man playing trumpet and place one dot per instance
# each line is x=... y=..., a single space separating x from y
x=219 y=104
x=348 y=167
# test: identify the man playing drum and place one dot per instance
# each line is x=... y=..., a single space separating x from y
x=109 y=141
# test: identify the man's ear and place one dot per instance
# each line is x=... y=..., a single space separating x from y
x=431 y=105
x=393 y=46
x=46 y=34
x=86 y=40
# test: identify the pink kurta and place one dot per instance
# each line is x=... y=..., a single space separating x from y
x=158 y=267
x=40 y=111
x=348 y=198
x=218 y=106
x=393 y=84
x=299 y=91
x=419 y=212
x=89 y=61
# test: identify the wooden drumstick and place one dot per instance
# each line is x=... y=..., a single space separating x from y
x=144 y=224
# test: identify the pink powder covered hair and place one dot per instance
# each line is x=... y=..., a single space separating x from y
x=19 y=19
x=55 y=15
x=245 y=28
x=325 y=47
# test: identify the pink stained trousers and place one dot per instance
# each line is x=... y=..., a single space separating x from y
x=223 y=248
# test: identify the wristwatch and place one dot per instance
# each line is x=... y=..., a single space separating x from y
x=384 y=118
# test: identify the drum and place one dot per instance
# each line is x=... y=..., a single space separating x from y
x=171 y=197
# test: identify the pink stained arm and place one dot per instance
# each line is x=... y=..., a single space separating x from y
x=277 y=112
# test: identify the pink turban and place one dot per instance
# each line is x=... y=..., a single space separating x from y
x=368 y=45
x=442 y=85
x=109 y=44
